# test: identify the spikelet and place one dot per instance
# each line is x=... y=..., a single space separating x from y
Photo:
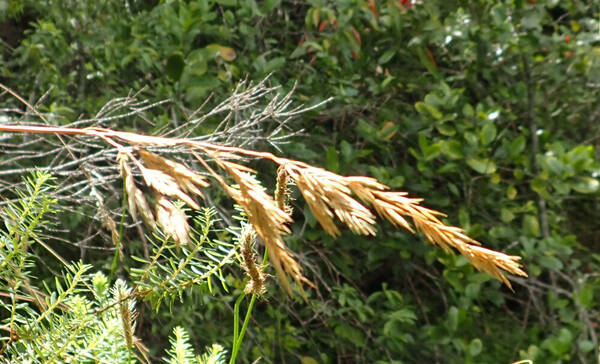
x=325 y=191
x=393 y=206
x=256 y=283
x=166 y=185
x=126 y=320
x=187 y=179
x=269 y=222
x=135 y=198
x=282 y=191
x=172 y=220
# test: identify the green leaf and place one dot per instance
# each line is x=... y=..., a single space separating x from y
x=488 y=133
x=347 y=151
x=308 y=360
x=427 y=62
x=472 y=290
x=532 y=19
x=273 y=64
x=269 y=5
x=468 y=111
x=511 y=192
x=385 y=57
x=517 y=146
x=538 y=185
x=531 y=226
x=227 y=53
x=506 y=215
x=471 y=138
x=350 y=333
x=586 y=296
x=432 y=151
x=550 y=262
x=428 y=109
x=452 y=319
x=333 y=161
x=585 y=185
x=586 y=346
x=482 y=165
x=174 y=66
x=475 y=347
x=446 y=129
x=453 y=149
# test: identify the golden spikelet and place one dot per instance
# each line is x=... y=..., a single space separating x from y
x=135 y=198
x=187 y=179
x=327 y=194
x=172 y=220
x=166 y=185
x=269 y=222
x=110 y=224
x=394 y=206
x=325 y=191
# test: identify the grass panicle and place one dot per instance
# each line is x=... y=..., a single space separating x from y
x=355 y=201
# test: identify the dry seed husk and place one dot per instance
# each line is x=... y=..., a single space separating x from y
x=135 y=197
x=327 y=194
x=172 y=220
x=269 y=222
x=184 y=176
x=166 y=185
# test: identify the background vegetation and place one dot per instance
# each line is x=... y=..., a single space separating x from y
x=488 y=109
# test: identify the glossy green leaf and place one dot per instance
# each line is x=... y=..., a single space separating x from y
x=488 y=133
x=585 y=185
x=482 y=165
x=428 y=109
x=453 y=149
x=386 y=57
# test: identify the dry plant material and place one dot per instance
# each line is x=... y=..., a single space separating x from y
x=172 y=220
x=187 y=179
x=168 y=179
x=126 y=321
x=282 y=191
x=328 y=195
x=254 y=271
x=267 y=219
x=135 y=197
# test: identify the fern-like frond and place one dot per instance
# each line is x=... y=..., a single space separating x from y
x=181 y=352
x=168 y=273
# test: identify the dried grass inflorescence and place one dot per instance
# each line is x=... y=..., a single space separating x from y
x=254 y=270
x=168 y=179
x=330 y=196
x=269 y=221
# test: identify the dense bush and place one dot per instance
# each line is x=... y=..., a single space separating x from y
x=488 y=109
